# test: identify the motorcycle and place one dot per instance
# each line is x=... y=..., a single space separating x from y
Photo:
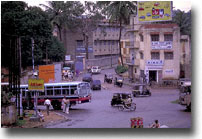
x=131 y=107
x=118 y=82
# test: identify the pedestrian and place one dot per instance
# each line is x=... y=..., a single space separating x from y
x=40 y=115
x=64 y=101
x=47 y=103
x=65 y=105
x=155 y=124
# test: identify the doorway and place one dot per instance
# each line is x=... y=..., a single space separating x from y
x=153 y=75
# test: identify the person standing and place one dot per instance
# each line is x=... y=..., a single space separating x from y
x=67 y=106
x=47 y=103
x=64 y=106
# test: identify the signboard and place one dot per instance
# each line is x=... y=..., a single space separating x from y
x=83 y=49
x=36 y=85
x=68 y=57
x=154 y=62
x=50 y=73
x=169 y=71
x=162 y=45
x=151 y=11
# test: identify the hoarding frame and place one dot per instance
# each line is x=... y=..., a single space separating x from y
x=171 y=4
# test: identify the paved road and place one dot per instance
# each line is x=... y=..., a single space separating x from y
x=100 y=114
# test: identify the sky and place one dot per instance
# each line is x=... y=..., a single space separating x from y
x=183 y=5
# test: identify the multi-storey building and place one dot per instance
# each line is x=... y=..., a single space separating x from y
x=154 y=51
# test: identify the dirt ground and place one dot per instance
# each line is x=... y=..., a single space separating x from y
x=52 y=118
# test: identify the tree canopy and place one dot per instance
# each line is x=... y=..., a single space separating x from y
x=183 y=19
x=19 y=20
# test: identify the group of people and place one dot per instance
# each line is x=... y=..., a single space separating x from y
x=65 y=106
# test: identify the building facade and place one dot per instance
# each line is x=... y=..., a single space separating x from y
x=154 y=51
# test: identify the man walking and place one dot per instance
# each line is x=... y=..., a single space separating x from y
x=47 y=103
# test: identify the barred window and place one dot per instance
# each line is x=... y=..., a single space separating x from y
x=95 y=42
x=168 y=55
x=155 y=37
x=155 y=55
x=141 y=55
x=168 y=37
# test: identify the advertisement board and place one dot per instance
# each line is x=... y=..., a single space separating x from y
x=36 y=85
x=162 y=45
x=50 y=73
x=151 y=11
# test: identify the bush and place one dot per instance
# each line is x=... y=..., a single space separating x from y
x=121 y=69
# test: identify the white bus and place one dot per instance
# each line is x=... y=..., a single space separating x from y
x=77 y=92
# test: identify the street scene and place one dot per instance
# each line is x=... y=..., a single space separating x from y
x=72 y=64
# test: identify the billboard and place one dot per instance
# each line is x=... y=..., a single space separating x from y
x=152 y=11
x=36 y=85
x=50 y=73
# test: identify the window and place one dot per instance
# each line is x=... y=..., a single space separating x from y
x=113 y=42
x=109 y=42
x=141 y=38
x=155 y=37
x=141 y=55
x=104 y=42
x=155 y=55
x=100 y=42
x=168 y=37
x=168 y=55
x=95 y=42
x=79 y=43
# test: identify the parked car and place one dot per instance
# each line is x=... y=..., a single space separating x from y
x=87 y=77
x=95 y=69
x=96 y=84
x=108 y=78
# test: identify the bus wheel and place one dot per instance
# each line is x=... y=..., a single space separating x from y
x=56 y=105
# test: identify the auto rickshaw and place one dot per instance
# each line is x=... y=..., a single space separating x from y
x=121 y=100
x=140 y=90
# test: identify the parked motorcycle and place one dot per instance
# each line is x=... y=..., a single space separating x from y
x=118 y=81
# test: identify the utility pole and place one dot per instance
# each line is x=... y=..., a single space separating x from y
x=35 y=93
x=33 y=54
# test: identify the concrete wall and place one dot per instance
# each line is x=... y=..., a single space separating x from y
x=103 y=62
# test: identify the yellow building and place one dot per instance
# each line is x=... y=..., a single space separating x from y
x=154 y=51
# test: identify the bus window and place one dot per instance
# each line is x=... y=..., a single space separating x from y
x=65 y=91
x=72 y=89
x=57 y=91
x=49 y=92
x=41 y=93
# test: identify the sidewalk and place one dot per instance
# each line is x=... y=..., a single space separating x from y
x=50 y=119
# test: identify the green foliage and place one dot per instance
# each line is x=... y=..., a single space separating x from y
x=121 y=69
x=56 y=51
x=18 y=20
x=183 y=20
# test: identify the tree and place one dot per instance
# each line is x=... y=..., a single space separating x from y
x=62 y=14
x=120 y=12
x=18 y=20
x=183 y=20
